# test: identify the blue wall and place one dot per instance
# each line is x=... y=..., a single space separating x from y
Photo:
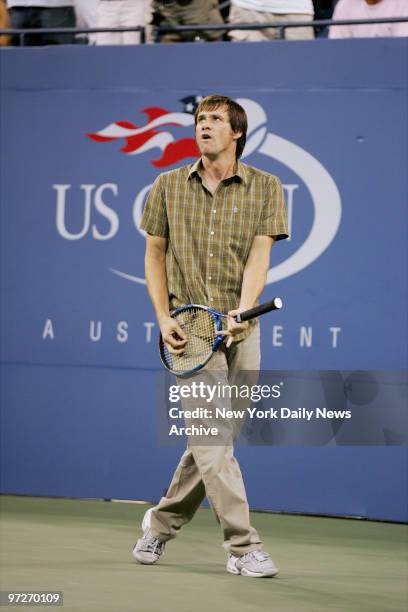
x=77 y=407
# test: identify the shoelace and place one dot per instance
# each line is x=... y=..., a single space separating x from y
x=258 y=555
x=153 y=545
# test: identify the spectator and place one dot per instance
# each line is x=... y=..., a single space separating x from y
x=187 y=12
x=120 y=13
x=43 y=14
x=370 y=9
x=4 y=24
x=271 y=11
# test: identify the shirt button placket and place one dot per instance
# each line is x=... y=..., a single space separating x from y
x=214 y=212
x=212 y=231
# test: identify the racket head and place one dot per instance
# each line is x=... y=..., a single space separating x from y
x=201 y=325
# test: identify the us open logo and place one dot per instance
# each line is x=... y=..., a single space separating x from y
x=165 y=139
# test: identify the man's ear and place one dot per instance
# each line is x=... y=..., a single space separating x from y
x=237 y=135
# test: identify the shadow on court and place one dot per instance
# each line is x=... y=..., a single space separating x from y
x=83 y=547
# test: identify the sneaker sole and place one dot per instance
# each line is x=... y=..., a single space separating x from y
x=249 y=574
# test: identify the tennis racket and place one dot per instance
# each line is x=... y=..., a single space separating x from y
x=202 y=326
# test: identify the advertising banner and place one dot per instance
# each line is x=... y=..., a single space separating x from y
x=84 y=134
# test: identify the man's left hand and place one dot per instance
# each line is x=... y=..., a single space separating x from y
x=234 y=328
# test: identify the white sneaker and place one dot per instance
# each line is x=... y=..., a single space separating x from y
x=256 y=564
x=148 y=549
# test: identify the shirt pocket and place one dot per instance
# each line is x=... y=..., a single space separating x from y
x=239 y=228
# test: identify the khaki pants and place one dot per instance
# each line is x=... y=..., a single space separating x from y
x=119 y=13
x=212 y=470
x=240 y=15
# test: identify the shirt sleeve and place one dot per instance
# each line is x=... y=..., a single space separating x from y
x=274 y=221
x=154 y=218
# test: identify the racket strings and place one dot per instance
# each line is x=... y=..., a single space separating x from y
x=200 y=328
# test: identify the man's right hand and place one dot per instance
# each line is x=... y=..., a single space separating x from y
x=173 y=336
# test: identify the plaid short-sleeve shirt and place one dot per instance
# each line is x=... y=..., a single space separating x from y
x=210 y=235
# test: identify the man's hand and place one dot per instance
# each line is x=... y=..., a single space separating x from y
x=173 y=336
x=233 y=328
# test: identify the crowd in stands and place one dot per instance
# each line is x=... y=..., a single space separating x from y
x=153 y=13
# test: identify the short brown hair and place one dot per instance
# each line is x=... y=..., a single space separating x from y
x=236 y=114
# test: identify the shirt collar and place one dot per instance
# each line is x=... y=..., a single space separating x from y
x=195 y=168
x=240 y=173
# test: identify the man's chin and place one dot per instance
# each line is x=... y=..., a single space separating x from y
x=206 y=149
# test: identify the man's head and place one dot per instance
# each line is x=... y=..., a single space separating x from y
x=220 y=120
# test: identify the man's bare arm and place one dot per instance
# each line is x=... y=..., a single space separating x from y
x=156 y=279
x=256 y=271
x=253 y=282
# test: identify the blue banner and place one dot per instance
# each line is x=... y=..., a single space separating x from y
x=85 y=131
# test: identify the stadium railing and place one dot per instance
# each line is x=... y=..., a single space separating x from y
x=225 y=27
x=280 y=27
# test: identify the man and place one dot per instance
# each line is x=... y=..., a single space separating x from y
x=370 y=9
x=210 y=229
x=271 y=11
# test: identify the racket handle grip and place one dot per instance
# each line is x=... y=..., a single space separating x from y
x=275 y=304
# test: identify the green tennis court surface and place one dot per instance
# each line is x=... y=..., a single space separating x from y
x=83 y=548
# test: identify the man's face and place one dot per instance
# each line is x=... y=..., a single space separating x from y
x=214 y=133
